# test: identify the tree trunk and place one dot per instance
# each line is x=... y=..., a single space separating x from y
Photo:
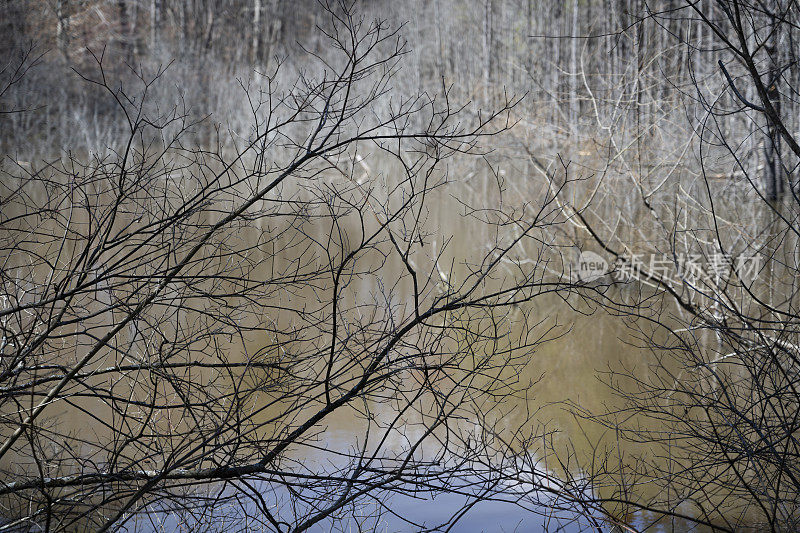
x=487 y=47
x=154 y=22
x=256 y=30
x=573 y=68
x=773 y=171
x=124 y=30
x=62 y=27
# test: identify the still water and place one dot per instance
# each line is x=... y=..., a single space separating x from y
x=559 y=379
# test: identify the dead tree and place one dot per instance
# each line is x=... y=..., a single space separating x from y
x=182 y=327
x=706 y=429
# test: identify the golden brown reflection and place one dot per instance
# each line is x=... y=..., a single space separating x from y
x=526 y=381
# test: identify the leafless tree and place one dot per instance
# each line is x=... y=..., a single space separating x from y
x=706 y=428
x=184 y=328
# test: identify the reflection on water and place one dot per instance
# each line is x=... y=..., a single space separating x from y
x=556 y=352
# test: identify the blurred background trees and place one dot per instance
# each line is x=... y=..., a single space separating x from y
x=587 y=67
x=660 y=135
x=623 y=65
